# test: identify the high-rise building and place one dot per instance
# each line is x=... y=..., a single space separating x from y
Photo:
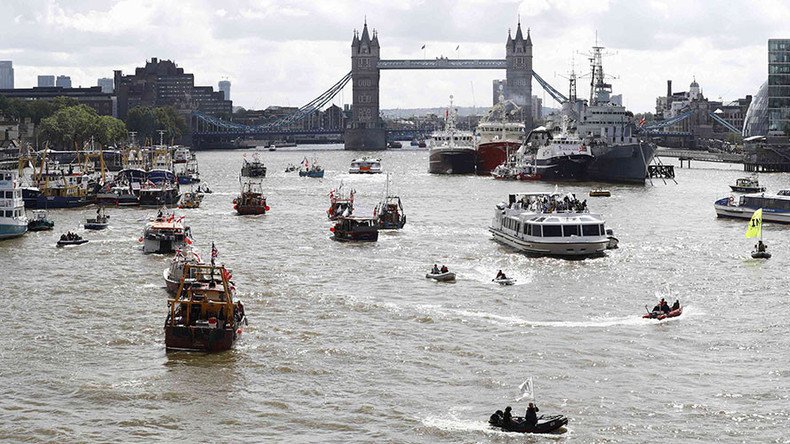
x=63 y=81
x=224 y=86
x=107 y=84
x=46 y=81
x=778 y=86
x=162 y=83
x=537 y=109
x=6 y=74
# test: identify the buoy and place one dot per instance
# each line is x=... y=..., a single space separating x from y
x=267 y=208
x=332 y=229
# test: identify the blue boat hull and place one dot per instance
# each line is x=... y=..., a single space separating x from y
x=318 y=174
x=42 y=201
x=10 y=231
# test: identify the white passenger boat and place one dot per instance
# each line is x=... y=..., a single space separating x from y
x=13 y=221
x=549 y=224
x=365 y=165
x=776 y=207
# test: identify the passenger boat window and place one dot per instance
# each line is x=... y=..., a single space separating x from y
x=536 y=230
x=570 y=230
x=590 y=230
x=552 y=231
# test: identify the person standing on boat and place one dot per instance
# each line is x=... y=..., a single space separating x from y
x=500 y=275
x=760 y=246
x=531 y=416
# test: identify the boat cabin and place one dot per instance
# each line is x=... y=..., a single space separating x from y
x=356 y=229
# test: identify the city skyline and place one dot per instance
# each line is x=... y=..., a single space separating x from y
x=286 y=53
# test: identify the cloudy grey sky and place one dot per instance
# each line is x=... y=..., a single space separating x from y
x=288 y=52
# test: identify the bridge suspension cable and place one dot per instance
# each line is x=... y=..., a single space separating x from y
x=218 y=125
x=556 y=95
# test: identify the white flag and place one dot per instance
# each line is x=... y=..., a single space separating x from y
x=526 y=390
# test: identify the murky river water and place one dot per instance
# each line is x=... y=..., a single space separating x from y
x=350 y=343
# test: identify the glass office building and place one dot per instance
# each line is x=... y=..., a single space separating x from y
x=778 y=86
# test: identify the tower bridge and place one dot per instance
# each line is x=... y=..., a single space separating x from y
x=365 y=130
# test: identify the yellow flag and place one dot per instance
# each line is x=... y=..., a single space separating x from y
x=756 y=224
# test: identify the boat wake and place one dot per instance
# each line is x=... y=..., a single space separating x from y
x=452 y=423
x=484 y=274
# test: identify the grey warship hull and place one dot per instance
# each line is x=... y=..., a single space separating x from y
x=623 y=163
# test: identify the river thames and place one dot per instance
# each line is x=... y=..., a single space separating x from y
x=350 y=343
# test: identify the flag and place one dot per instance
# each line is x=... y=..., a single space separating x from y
x=755 y=225
x=214 y=252
x=188 y=240
x=423 y=47
x=456 y=48
x=526 y=390
x=642 y=121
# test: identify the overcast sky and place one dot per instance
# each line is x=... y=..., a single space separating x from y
x=288 y=52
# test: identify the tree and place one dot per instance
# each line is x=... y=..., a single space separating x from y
x=147 y=122
x=73 y=126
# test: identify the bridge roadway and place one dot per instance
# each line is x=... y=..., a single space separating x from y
x=443 y=63
x=703 y=156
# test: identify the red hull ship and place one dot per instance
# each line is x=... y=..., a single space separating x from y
x=252 y=201
x=492 y=154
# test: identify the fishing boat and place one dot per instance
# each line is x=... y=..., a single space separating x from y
x=158 y=195
x=389 y=211
x=100 y=222
x=182 y=154
x=747 y=185
x=452 y=151
x=190 y=173
x=545 y=223
x=365 y=165
x=251 y=201
x=311 y=169
x=40 y=221
x=190 y=199
x=500 y=133
x=340 y=203
x=204 y=318
x=164 y=234
x=256 y=168
x=174 y=273
x=776 y=207
x=13 y=221
x=355 y=229
x=71 y=239
x=755 y=230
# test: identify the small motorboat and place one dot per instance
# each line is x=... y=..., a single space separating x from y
x=600 y=192
x=660 y=315
x=291 y=168
x=441 y=277
x=545 y=424
x=395 y=144
x=747 y=185
x=761 y=255
x=504 y=281
x=100 y=222
x=74 y=239
x=40 y=221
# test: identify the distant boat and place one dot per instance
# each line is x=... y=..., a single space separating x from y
x=389 y=211
x=311 y=169
x=776 y=207
x=747 y=185
x=355 y=229
x=340 y=203
x=394 y=144
x=365 y=165
x=100 y=222
x=40 y=221
x=256 y=168
x=251 y=201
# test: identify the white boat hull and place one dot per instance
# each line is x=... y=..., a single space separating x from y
x=569 y=246
x=746 y=213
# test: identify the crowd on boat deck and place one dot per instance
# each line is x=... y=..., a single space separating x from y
x=551 y=204
x=664 y=306
x=70 y=236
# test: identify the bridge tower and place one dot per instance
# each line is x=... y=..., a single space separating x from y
x=518 y=57
x=365 y=131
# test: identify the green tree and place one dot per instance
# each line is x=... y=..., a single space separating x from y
x=147 y=122
x=72 y=127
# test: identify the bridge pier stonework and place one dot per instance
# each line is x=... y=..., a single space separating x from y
x=366 y=130
x=518 y=58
